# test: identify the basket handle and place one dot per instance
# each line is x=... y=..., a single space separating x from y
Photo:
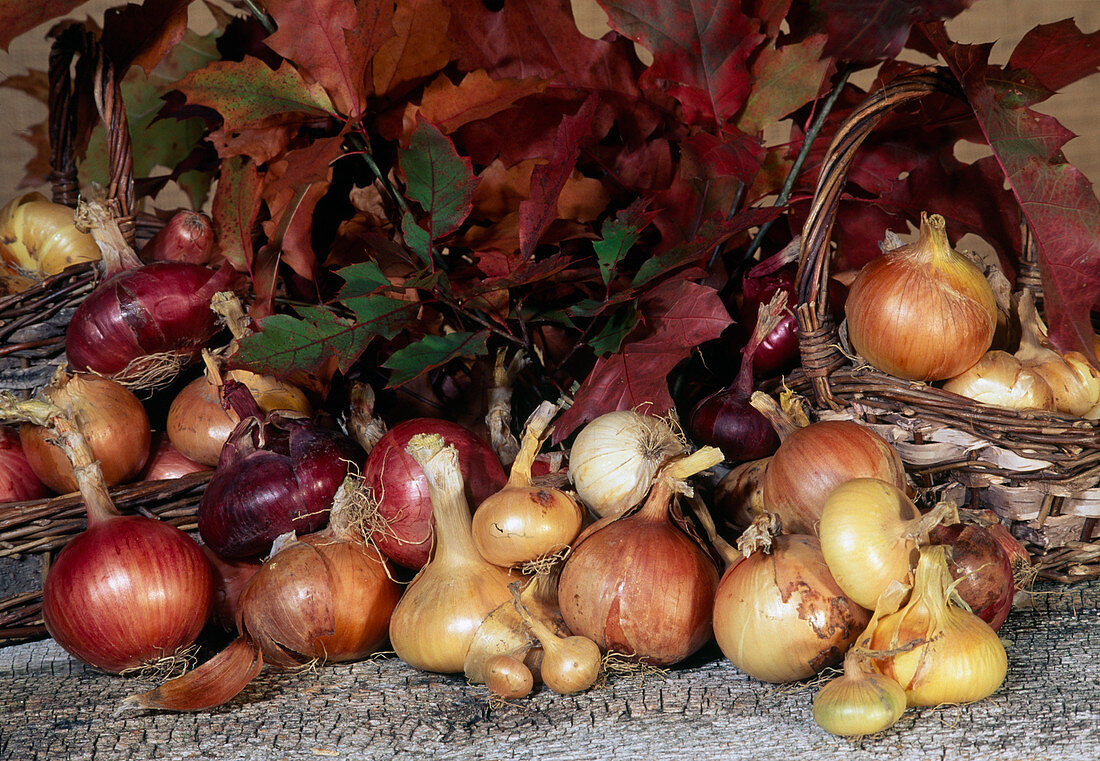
x=75 y=42
x=816 y=331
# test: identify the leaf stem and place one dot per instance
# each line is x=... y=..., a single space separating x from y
x=804 y=151
x=261 y=15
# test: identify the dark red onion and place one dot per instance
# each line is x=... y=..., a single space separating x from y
x=778 y=351
x=726 y=419
x=983 y=566
x=401 y=489
x=17 y=479
x=159 y=308
x=165 y=461
x=275 y=475
x=187 y=237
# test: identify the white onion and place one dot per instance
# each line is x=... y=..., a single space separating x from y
x=615 y=457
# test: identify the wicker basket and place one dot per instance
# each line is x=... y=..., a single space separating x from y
x=32 y=322
x=1040 y=471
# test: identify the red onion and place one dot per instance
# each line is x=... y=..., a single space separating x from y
x=726 y=419
x=188 y=237
x=230 y=579
x=982 y=567
x=129 y=589
x=398 y=484
x=275 y=475
x=161 y=308
x=165 y=461
x=17 y=479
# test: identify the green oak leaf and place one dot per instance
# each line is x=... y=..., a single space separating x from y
x=433 y=351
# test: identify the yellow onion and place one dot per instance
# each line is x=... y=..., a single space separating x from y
x=859 y=702
x=112 y=419
x=615 y=458
x=779 y=615
x=1001 y=380
x=869 y=531
x=921 y=311
x=522 y=521
x=447 y=601
x=938 y=652
x=38 y=237
x=1073 y=380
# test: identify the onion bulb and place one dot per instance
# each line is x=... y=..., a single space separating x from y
x=522 y=521
x=779 y=615
x=17 y=479
x=446 y=602
x=1074 y=382
x=637 y=584
x=869 y=533
x=165 y=461
x=813 y=460
x=938 y=652
x=38 y=238
x=569 y=664
x=129 y=590
x=921 y=311
x=859 y=702
x=615 y=458
x=1000 y=379
x=188 y=236
x=981 y=569
x=508 y=677
x=113 y=421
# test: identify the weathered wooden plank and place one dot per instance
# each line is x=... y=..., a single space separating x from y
x=1049 y=708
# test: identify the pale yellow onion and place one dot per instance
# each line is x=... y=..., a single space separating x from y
x=38 y=236
x=780 y=616
x=921 y=311
x=859 y=702
x=438 y=617
x=999 y=379
x=615 y=457
x=869 y=531
x=958 y=657
x=1074 y=382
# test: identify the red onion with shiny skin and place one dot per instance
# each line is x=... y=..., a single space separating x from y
x=276 y=474
x=159 y=308
x=165 y=461
x=977 y=559
x=398 y=484
x=17 y=479
x=187 y=237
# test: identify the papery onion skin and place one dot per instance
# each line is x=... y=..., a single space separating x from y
x=921 y=311
x=114 y=422
x=319 y=597
x=401 y=490
x=999 y=379
x=982 y=569
x=614 y=458
x=127 y=591
x=230 y=579
x=199 y=425
x=814 y=460
x=18 y=481
x=257 y=494
x=640 y=587
x=159 y=308
x=780 y=616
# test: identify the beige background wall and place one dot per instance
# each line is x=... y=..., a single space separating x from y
x=1078 y=107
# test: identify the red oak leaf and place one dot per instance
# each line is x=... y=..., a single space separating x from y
x=450 y=106
x=19 y=16
x=236 y=205
x=419 y=49
x=541 y=208
x=677 y=316
x=700 y=52
x=1057 y=54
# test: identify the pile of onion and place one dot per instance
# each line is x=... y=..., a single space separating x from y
x=324 y=597
x=127 y=591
